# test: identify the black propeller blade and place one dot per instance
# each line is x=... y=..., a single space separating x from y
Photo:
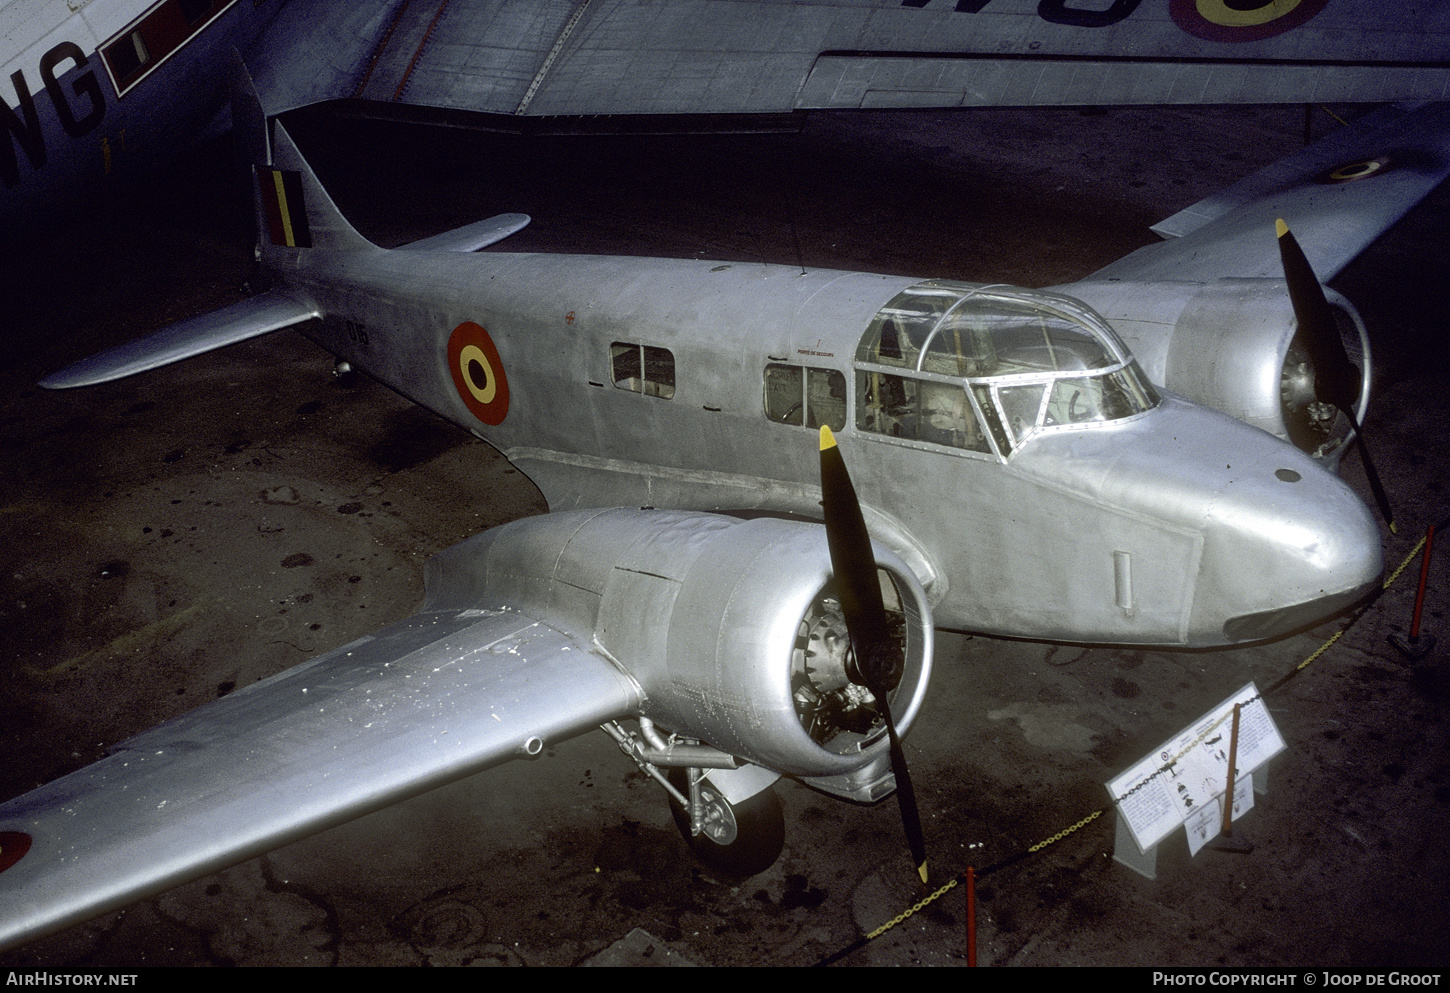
x=876 y=665
x=1337 y=380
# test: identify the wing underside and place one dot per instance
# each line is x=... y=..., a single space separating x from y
x=562 y=59
x=423 y=702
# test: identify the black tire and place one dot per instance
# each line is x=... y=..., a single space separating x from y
x=759 y=832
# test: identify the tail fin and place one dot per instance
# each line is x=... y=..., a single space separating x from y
x=293 y=211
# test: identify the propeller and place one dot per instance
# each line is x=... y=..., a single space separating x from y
x=875 y=664
x=1337 y=380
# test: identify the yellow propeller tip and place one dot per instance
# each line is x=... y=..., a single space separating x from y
x=1280 y=228
x=828 y=440
x=1394 y=529
x=921 y=871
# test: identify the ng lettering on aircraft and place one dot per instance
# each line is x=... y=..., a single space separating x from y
x=79 y=112
x=80 y=102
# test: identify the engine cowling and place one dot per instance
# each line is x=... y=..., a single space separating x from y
x=729 y=626
x=1230 y=344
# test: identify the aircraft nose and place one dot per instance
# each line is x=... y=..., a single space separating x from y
x=1280 y=542
x=1286 y=544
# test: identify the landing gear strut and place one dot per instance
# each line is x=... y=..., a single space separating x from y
x=734 y=839
x=737 y=837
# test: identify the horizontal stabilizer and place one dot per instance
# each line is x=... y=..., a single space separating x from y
x=421 y=703
x=248 y=319
x=472 y=237
x=1338 y=195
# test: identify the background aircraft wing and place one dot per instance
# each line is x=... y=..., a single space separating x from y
x=418 y=704
x=1337 y=196
x=774 y=56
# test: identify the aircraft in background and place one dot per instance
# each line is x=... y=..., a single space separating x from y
x=1020 y=470
x=96 y=90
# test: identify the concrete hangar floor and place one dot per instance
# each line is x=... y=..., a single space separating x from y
x=133 y=589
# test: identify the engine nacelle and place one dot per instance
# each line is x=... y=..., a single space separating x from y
x=1230 y=345
x=729 y=626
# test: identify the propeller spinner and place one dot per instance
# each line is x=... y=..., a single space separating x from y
x=876 y=666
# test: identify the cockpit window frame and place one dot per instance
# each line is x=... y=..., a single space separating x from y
x=1124 y=392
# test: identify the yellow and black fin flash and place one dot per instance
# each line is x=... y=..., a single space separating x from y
x=282 y=201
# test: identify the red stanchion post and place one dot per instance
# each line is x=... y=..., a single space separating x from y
x=1420 y=591
x=1415 y=647
x=1228 y=793
x=971 y=916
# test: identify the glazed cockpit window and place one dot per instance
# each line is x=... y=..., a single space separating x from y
x=955 y=364
x=912 y=409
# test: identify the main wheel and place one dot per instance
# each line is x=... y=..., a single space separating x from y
x=735 y=840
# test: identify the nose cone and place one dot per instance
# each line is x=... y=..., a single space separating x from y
x=1285 y=546
x=1285 y=543
x=1274 y=542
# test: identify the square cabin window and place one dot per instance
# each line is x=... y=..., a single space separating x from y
x=798 y=395
x=642 y=369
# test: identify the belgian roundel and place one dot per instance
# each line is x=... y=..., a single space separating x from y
x=13 y=846
x=1241 y=20
x=478 y=373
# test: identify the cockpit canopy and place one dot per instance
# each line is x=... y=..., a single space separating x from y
x=983 y=368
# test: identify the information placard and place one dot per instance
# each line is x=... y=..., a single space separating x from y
x=1183 y=782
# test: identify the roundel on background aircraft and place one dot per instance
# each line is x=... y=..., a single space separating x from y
x=478 y=373
x=1351 y=171
x=1241 y=20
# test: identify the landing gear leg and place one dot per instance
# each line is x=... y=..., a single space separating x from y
x=735 y=839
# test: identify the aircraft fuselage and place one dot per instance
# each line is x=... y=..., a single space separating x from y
x=659 y=383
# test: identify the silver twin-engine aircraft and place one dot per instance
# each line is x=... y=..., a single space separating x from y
x=1020 y=472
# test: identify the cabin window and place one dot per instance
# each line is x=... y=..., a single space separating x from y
x=642 y=369
x=805 y=396
x=128 y=55
x=193 y=12
x=164 y=30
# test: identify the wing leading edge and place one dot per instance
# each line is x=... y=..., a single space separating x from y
x=423 y=702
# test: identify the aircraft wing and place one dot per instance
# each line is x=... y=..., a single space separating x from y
x=1337 y=195
x=423 y=702
x=772 y=56
x=249 y=318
